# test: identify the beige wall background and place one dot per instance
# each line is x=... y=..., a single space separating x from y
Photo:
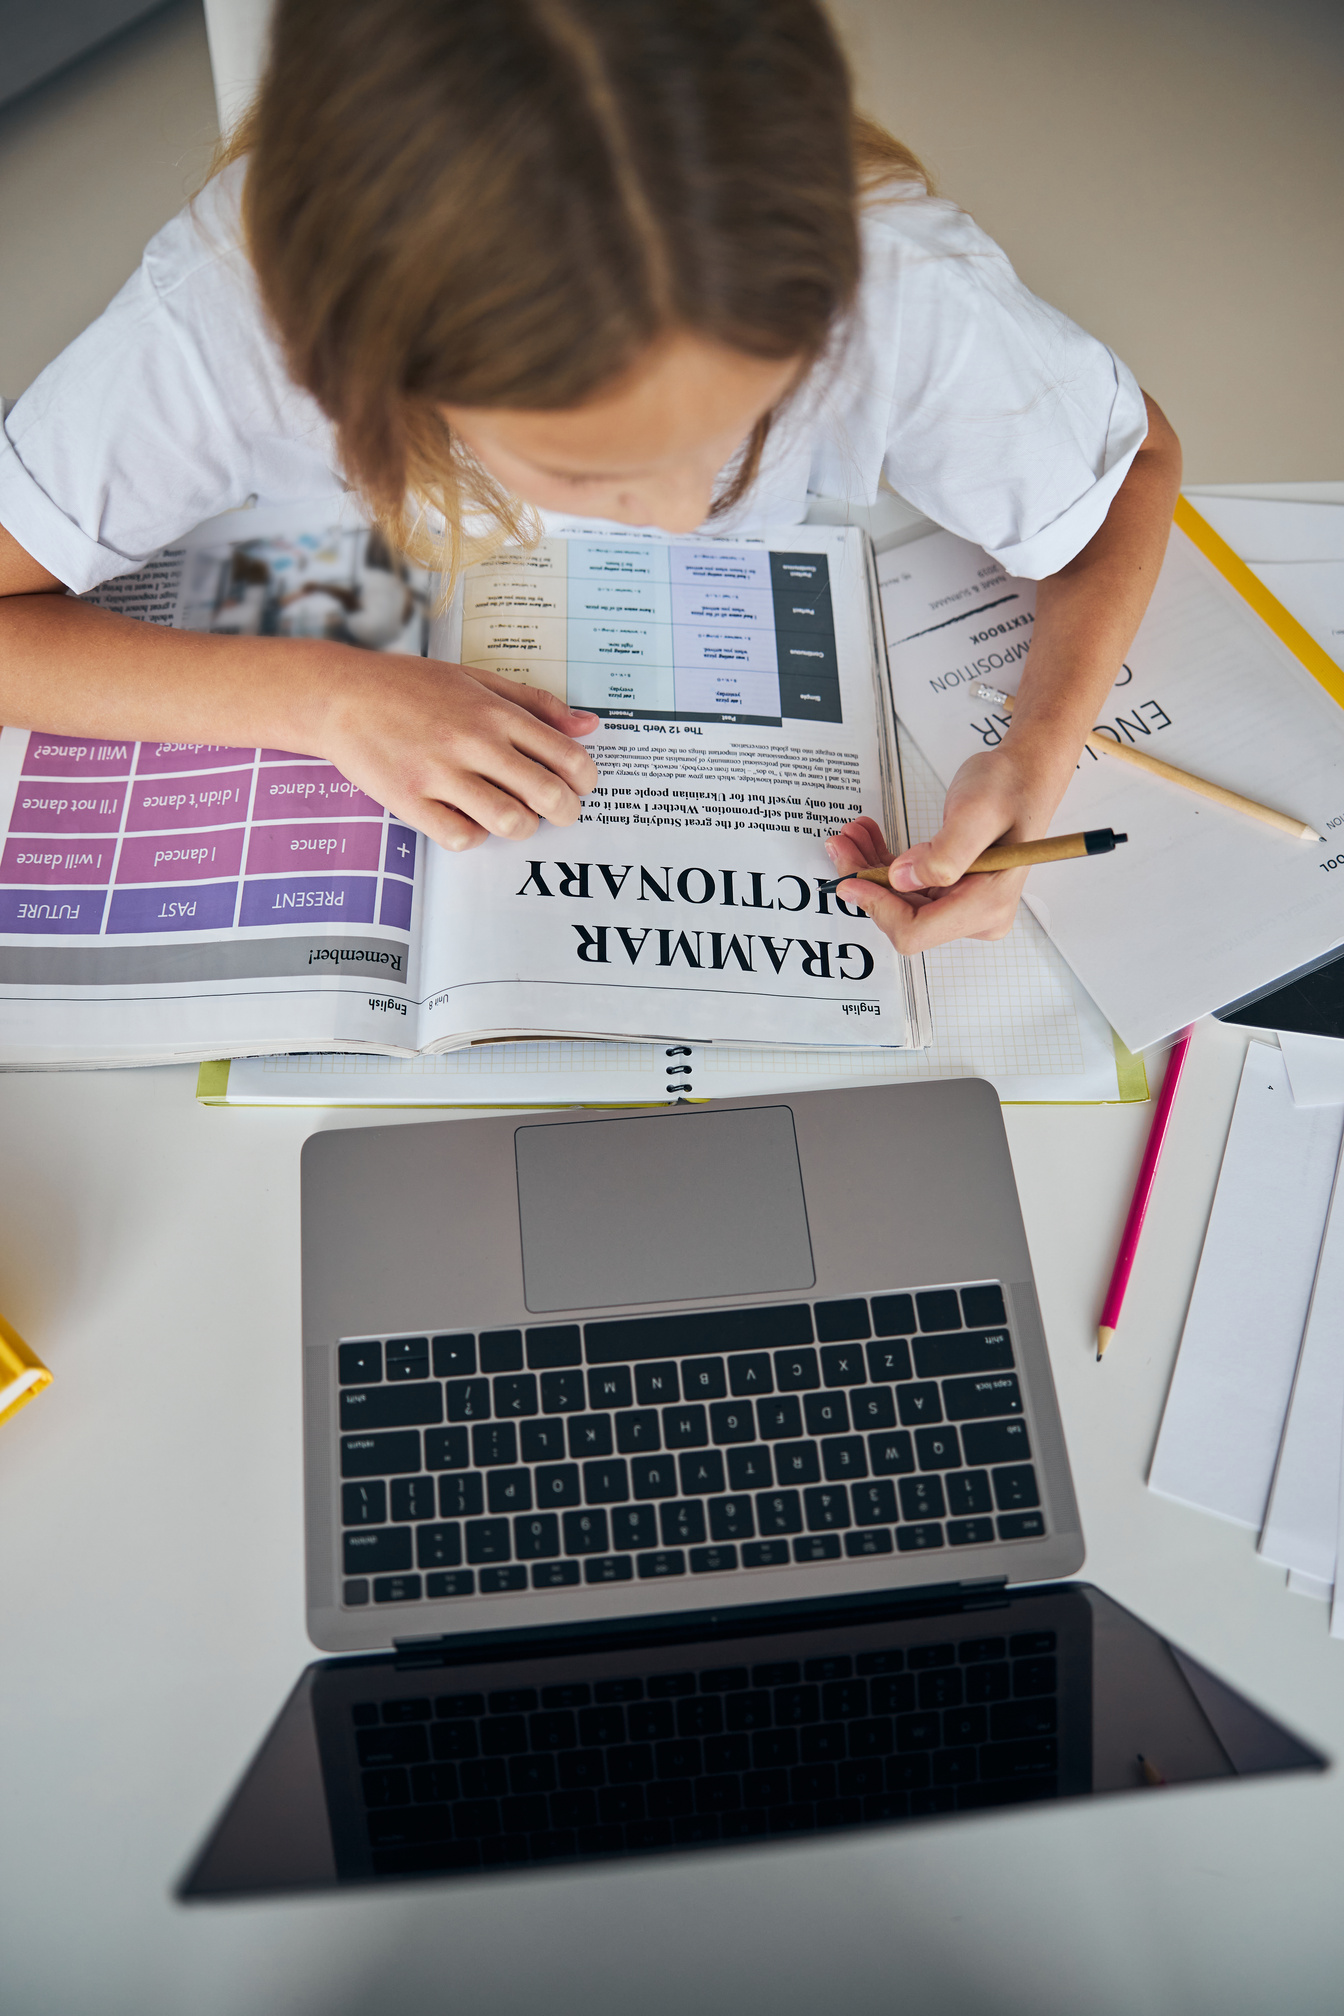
x=1169 y=172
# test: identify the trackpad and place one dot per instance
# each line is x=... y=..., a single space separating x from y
x=668 y=1208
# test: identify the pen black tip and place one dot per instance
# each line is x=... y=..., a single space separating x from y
x=1120 y=839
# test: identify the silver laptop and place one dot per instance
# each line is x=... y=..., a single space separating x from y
x=567 y=1369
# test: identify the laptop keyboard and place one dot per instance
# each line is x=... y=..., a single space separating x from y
x=466 y=1780
x=708 y=1442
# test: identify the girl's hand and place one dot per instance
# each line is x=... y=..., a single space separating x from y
x=458 y=752
x=932 y=899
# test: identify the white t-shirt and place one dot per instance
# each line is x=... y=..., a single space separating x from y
x=986 y=408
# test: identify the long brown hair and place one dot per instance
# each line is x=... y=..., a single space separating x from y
x=503 y=202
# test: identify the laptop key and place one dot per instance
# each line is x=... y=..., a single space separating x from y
x=407 y=1358
x=732 y=1421
x=393 y=1406
x=1021 y=1525
x=843 y=1457
x=826 y=1507
x=1014 y=1488
x=704 y=1379
x=656 y=1385
x=918 y=1404
x=970 y=1532
x=379 y=1455
x=606 y=1482
x=797 y=1463
x=586 y=1532
x=447 y=1449
x=461 y=1495
x=454 y=1357
x=654 y=1476
x=750 y=1374
x=873 y=1407
x=682 y=1522
x=826 y=1413
x=750 y=1469
x=968 y=1491
x=557 y=1484
x=709 y=1330
x=515 y=1395
x=359 y=1364
x=889 y=1362
x=973 y=1399
x=837 y=1321
x=654 y=1567
x=609 y=1568
x=553 y=1345
x=634 y=1527
x=913 y=1539
x=875 y=1504
x=922 y=1497
x=893 y=1315
x=467 y=1399
x=611 y=1387
x=562 y=1393
x=555 y=1575
x=779 y=1512
x=779 y=1418
x=501 y=1350
x=537 y=1537
x=731 y=1518
x=844 y=1365
x=987 y=1442
x=494 y=1442
x=590 y=1435
x=868 y=1540
x=938 y=1309
x=413 y=1498
x=984 y=1305
x=363 y=1504
x=637 y=1431
x=712 y=1560
x=397 y=1588
x=685 y=1427
x=541 y=1441
x=374 y=1550
x=494 y=1581
x=509 y=1490
x=766 y=1554
x=964 y=1351
x=891 y=1455
x=700 y=1472
x=937 y=1448
x=487 y=1540
x=817 y=1547
x=796 y=1370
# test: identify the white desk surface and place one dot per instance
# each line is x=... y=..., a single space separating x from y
x=152 y=1604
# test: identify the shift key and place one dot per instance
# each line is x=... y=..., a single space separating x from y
x=413 y=1404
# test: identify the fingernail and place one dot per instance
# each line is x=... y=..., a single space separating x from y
x=831 y=851
x=904 y=877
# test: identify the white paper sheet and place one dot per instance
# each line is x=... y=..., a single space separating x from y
x=1158 y=931
x=1224 y=1416
x=1315 y=1066
x=1275 y=528
x=1308 y=1585
x=1301 y=1525
x=1313 y=591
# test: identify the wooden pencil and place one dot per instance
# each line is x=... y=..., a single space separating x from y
x=1218 y=794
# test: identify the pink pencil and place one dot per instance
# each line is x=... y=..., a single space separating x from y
x=1143 y=1190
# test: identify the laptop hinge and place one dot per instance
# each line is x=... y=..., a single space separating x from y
x=747 y=1620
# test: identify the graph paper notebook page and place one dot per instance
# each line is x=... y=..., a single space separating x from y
x=1156 y=932
x=161 y=901
x=1011 y=1012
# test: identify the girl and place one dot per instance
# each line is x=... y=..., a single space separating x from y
x=636 y=259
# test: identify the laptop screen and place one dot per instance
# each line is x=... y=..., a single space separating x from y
x=465 y=1763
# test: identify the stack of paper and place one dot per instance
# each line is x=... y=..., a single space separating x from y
x=1254 y=1421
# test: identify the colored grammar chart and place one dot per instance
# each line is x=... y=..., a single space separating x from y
x=636 y=631
x=115 y=839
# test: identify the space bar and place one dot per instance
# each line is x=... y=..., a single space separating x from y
x=778 y=1325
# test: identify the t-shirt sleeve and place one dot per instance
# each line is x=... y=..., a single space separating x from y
x=1008 y=424
x=172 y=407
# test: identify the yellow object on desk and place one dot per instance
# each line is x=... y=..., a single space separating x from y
x=22 y=1373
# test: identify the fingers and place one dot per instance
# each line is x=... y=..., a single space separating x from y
x=538 y=700
x=447 y=827
x=972 y=821
x=983 y=907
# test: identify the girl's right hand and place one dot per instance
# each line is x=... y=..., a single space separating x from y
x=459 y=753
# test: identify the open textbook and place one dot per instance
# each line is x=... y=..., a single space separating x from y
x=166 y=901
x=1204 y=905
